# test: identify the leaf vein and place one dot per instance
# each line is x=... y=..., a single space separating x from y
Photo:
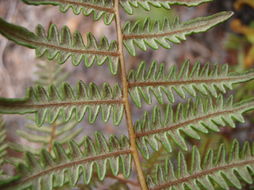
x=202 y=173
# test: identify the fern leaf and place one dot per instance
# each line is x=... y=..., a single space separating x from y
x=92 y=158
x=3 y=144
x=207 y=79
x=50 y=73
x=63 y=103
x=145 y=34
x=215 y=170
x=99 y=9
x=128 y=5
x=157 y=157
x=45 y=136
x=4 y=178
x=61 y=45
x=200 y=115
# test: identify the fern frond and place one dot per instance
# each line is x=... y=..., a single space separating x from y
x=145 y=34
x=99 y=9
x=3 y=144
x=63 y=103
x=207 y=79
x=223 y=170
x=4 y=178
x=199 y=115
x=157 y=157
x=97 y=157
x=45 y=136
x=128 y=5
x=62 y=45
x=50 y=73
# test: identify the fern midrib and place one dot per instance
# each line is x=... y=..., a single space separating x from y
x=203 y=80
x=65 y=104
x=67 y=138
x=127 y=107
x=52 y=136
x=33 y=138
x=179 y=125
x=106 y=9
x=72 y=163
x=142 y=36
x=202 y=173
x=123 y=180
x=154 y=159
x=79 y=51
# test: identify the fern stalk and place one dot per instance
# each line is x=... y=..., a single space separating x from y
x=126 y=181
x=100 y=158
x=128 y=115
x=52 y=136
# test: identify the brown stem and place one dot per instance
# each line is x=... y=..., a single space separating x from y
x=127 y=107
x=157 y=35
x=84 y=4
x=22 y=104
x=126 y=181
x=188 y=81
x=52 y=136
x=35 y=43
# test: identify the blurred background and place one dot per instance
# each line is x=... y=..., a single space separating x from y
x=231 y=42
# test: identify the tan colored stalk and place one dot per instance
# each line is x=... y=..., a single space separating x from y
x=122 y=179
x=128 y=115
x=52 y=136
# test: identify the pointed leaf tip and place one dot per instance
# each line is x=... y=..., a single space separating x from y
x=147 y=34
x=160 y=81
x=61 y=45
